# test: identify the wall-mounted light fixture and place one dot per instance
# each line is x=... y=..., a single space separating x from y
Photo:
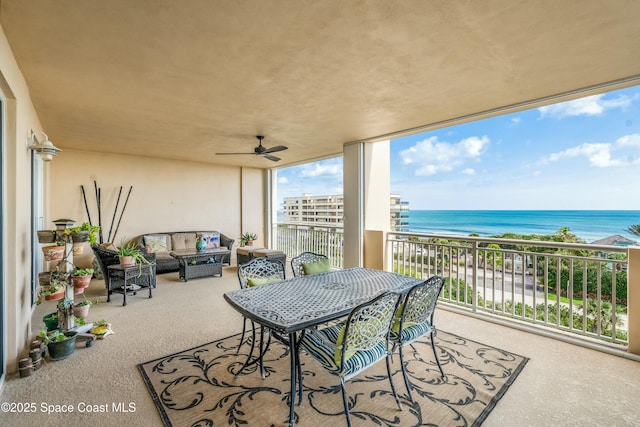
x=45 y=149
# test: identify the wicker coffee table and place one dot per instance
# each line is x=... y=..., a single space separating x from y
x=195 y=263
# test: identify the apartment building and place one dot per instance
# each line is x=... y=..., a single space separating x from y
x=328 y=211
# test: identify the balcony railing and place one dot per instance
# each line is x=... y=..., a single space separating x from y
x=568 y=288
x=327 y=239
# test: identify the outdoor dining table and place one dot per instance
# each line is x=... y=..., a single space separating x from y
x=291 y=306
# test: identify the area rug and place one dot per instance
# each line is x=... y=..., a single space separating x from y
x=198 y=387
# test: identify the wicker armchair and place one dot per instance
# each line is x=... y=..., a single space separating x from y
x=346 y=350
x=297 y=263
x=415 y=320
x=107 y=257
x=258 y=271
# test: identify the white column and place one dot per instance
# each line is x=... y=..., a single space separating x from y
x=353 y=166
x=366 y=172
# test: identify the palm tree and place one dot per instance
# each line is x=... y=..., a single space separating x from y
x=634 y=229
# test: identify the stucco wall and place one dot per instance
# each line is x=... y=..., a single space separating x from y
x=20 y=118
x=166 y=195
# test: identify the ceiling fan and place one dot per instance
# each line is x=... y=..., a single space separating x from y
x=262 y=151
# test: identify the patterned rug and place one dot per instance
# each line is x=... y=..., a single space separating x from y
x=197 y=387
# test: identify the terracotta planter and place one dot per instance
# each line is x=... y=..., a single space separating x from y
x=53 y=253
x=55 y=296
x=81 y=281
x=127 y=260
x=82 y=311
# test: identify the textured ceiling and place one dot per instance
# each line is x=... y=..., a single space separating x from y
x=186 y=79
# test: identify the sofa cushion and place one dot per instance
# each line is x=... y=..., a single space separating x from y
x=156 y=243
x=183 y=241
x=212 y=238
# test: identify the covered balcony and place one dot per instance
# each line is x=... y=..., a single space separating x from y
x=166 y=98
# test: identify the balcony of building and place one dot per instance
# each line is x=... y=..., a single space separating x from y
x=562 y=383
x=167 y=100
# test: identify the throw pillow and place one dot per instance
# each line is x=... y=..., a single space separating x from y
x=316 y=267
x=155 y=243
x=212 y=239
x=257 y=281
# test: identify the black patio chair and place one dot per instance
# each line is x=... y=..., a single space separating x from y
x=414 y=320
x=361 y=341
x=309 y=263
x=258 y=271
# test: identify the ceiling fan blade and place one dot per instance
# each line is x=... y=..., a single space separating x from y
x=275 y=149
x=272 y=158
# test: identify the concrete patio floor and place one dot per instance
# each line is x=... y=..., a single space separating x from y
x=562 y=384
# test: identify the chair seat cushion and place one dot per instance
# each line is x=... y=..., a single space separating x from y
x=410 y=333
x=321 y=345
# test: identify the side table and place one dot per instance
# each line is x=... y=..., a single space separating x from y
x=244 y=254
x=126 y=273
x=271 y=254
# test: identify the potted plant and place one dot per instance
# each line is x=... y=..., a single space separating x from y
x=130 y=254
x=53 y=291
x=81 y=309
x=60 y=345
x=46 y=236
x=55 y=252
x=83 y=233
x=81 y=278
x=51 y=321
x=247 y=239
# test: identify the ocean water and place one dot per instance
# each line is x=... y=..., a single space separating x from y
x=588 y=225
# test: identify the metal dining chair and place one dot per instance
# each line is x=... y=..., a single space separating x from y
x=258 y=271
x=362 y=340
x=414 y=319
x=308 y=263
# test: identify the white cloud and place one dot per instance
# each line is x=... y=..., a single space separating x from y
x=515 y=121
x=331 y=168
x=623 y=152
x=283 y=180
x=469 y=171
x=589 y=106
x=434 y=156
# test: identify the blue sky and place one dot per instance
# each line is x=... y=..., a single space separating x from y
x=581 y=154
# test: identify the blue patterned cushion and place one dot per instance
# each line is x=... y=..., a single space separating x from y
x=411 y=333
x=321 y=345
